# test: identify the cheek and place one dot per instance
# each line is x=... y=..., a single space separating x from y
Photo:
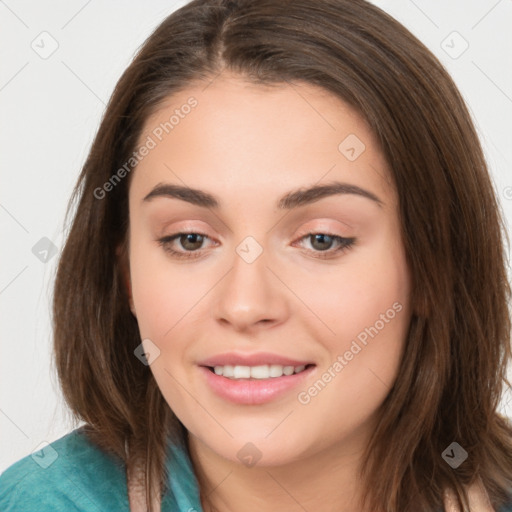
x=154 y=290
x=370 y=315
x=369 y=286
x=377 y=321
x=366 y=305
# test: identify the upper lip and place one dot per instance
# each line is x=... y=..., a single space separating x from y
x=255 y=359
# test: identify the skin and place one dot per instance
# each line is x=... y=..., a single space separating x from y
x=248 y=145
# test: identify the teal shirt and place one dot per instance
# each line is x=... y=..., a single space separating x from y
x=72 y=475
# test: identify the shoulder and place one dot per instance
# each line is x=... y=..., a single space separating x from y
x=507 y=507
x=183 y=487
x=70 y=474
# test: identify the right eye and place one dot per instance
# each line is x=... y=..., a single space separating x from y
x=191 y=242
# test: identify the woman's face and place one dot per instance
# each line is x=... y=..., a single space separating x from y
x=294 y=259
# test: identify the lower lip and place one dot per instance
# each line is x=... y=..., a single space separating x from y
x=254 y=391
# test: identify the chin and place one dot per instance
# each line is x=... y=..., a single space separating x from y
x=258 y=451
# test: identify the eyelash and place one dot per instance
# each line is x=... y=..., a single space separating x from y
x=345 y=245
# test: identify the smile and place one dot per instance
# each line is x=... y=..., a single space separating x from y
x=255 y=385
x=264 y=371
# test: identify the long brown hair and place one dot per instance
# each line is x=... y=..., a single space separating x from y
x=454 y=367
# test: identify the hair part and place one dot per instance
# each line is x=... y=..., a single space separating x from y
x=453 y=370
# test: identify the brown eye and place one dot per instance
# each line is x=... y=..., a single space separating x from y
x=183 y=245
x=191 y=241
x=325 y=245
x=321 y=242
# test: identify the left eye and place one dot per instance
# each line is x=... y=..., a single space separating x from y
x=322 y=244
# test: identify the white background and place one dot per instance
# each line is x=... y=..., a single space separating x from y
x=51 y=108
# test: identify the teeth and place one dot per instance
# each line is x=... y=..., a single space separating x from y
x=241 y=372
x=227 y=371
x=264 y=371
x=259 y=372
x=288 y=370
x=275 y=370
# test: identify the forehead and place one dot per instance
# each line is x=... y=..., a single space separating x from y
x=229 y=133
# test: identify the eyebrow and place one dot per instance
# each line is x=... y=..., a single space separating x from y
x=290 y=200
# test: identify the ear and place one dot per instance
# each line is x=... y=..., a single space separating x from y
x=124 y=267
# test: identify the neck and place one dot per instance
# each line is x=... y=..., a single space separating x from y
x=325 y=481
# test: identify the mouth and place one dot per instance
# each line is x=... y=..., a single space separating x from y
x=259 y=372
x=255 y=385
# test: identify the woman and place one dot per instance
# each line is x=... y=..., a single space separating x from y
x=284 y=284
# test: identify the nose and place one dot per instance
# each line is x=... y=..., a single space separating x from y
x=251 y=296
